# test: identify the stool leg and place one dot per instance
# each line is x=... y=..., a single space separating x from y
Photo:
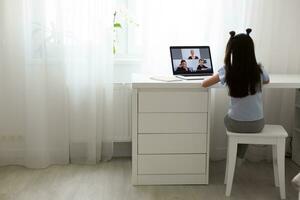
x=227 y=158
x=232 y=149
x=281 y=165
x=275 y=166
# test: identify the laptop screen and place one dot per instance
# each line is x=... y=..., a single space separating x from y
x=191 y=60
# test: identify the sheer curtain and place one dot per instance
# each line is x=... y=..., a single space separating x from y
x=275 y=25
x=55 y=82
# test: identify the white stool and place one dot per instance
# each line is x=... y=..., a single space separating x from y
x=271 y=135
x=296 y=183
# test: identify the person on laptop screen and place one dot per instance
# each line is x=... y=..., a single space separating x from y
x=182 y=68
x=193 y=56
x=201 y=65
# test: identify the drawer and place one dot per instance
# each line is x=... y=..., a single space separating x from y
x=171 y=143
x=172 y=164
x=172 y=122
x=297 y=97
x=172 y=179
x=173 y=101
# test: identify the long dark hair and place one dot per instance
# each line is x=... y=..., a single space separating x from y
x=242 y=71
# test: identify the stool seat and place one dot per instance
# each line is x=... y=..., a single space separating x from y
x=268 y=131
x=296 y=183
x=274 y=135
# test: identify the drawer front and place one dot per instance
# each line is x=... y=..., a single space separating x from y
x=171 y=179
x=298 y=97
x=172 y=122
x=171 y=143
x=172 y=101
x=172 y=164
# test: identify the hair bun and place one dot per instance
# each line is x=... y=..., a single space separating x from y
x=248 y=30
x=232 y=34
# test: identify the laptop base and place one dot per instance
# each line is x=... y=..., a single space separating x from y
x=191 y=77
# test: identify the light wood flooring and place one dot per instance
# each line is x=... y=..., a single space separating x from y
x=112 y=181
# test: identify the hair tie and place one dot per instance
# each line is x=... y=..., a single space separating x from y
x=232 y=34
x=248 y=30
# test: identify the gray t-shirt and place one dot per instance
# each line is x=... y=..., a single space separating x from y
x=249 y=108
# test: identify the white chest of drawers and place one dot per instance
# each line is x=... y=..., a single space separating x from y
x=171 y=129
x=170 y=134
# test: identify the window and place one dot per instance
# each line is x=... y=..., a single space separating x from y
x=128 y=38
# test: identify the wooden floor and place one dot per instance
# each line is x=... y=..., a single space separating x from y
x=111 y=181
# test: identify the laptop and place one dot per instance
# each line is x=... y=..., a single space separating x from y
x=191 y=62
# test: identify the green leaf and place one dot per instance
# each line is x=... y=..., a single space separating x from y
x=117 y=25
x=114 y=50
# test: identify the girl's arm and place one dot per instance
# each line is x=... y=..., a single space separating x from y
x=265 y=76
x=211 y=81
x=266 y=82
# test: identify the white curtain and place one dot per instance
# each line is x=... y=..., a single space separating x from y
x=276 y=31
x=55 y=82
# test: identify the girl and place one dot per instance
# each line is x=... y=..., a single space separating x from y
x=244 y=78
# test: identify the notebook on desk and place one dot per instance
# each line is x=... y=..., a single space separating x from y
x=191 y=62
x=165 y=78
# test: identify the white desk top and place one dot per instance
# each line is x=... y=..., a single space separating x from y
x=284 y=81
x=276 y=81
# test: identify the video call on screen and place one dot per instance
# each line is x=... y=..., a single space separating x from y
x=197 y=59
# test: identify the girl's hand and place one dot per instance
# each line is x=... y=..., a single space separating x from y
x=211 y=81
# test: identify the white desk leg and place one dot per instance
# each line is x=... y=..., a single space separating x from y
x=134 y=137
